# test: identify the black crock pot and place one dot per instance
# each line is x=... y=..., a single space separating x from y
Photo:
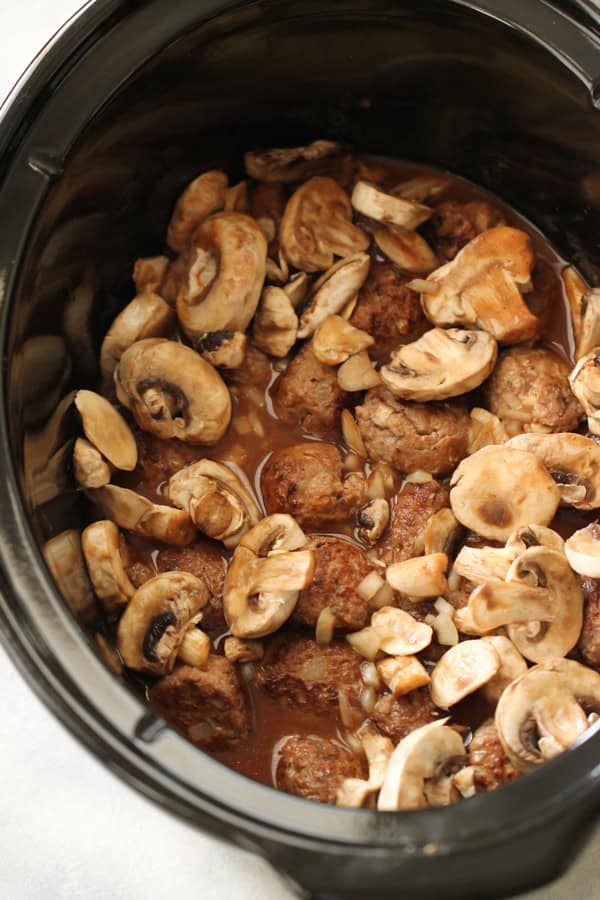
x=123 y=107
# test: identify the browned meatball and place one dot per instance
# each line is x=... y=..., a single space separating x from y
x=339 y=568
x=308 y=394
x=255 y=371
x=411 y=509
x=386 y=307
x=589 y=641
x=307 y=675
x=410 y=436
x=529 y=391
x=395 y=717
x=202 y=559
x=315 y=767
x=305 y=480
x=486 y=755
x=455 y=224
x=207 y=705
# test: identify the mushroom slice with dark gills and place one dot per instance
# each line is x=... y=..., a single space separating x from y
x=585 y=384
x=573 y=461
x=226 y=275
x=204 y=195
x=218 y=502
x=159 y=620
x=138 y=514
x=105 y=551
x=109 y=442
x=541 y=713
x=500 y=488
x=283 y=164
x=440 y=364
x=146 y=316
x=317 y=226
x=173 y=392
x=268 y=569
x=482 y=286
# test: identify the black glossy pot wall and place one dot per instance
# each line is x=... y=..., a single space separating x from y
x=111 y=121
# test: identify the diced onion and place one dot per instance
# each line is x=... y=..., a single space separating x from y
x=367 y=699
x=352 y=436
x=325 y=625
x=370 y=675
x=419 y=476
x=369 y=586
x=383 y=597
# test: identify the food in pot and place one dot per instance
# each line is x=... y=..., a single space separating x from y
x=342 y=492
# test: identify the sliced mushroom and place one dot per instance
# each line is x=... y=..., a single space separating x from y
x=512 y=666
x=149 y=272
x=584 y=306
x=399 y=633
x=371 y=201
x=358 y=373
x=354 y=792
x=218 y=502
x=440 y=364
x=573 y=461
x=236 y=197
x=402 y=674
x=482 y=286
x=332 y=291
x=138 y=514
x=585 y=384
x=147 y=316
x=407 y=249
x=225 y=349
x=419 y=578
x=290 y=163
x=317 y=225
x=227 y=301
x=203 y=196
x=421 y=188
x=544 y=711
x=500 y=488
x=426 y=755
x=106 y=430
x=335 y=340
x=534 y=536
x=373 y=519
x=441 y=532
x=265 y=575
x=482 y=564
x=64 y=558
x=89 y=466
x=173 y=392
x=157 y=619
x=105 y=554
x=583 y=551
x=462 y=670
x=297 y=288
x=275 y=325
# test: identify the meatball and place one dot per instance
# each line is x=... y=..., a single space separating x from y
x=410 y=436
x=202 y=559
x=339 y=568
x=486 y=755
x=455 y=224
x=411 y=510
x=254 y=372
x=386 y=307
x=314 y=767
x=308 y=394
x=207 y=705
x=529 y=391
x=307 y=675
x=589 y=640
x=159 y=459
x=395 y=717
x=305 y=480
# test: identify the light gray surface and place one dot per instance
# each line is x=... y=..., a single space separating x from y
x=68 y=828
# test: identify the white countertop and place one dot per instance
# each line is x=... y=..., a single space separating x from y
x=69 y=829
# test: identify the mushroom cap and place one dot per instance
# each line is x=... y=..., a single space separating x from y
x=203 y=196
x=138 y=514
x=573 y=461
x=283 y=164
x=440 y=364
x=418 y=758
x=317 y=225
x=267 y=571
x=89 y=466
x=540 y=713
x=500 y=488
x=173 y=392
x=374 y=203
x=585 y=384
x=481 y=286
x=218 y=502
x=512 y=665
x=583 y=551
x=106 y=429
x=103 y=549
x=275 y=326
x=229 y=301
x=407 y=249
x=462 y=670
x=146 y=316
x=332 y=291
x=156 y=619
